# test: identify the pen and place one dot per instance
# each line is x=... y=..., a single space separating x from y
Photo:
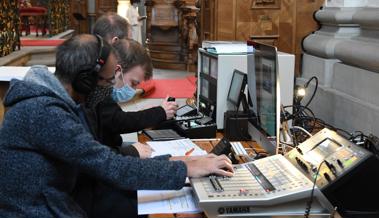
x=189 y=152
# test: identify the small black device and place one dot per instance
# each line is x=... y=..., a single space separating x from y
x=186 y=110
x=162 y=134
x=193 y=130
x=170 y=99
x=236 y=126
x=204 y=121
x=223 y=147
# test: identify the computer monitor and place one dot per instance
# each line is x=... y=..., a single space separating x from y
x=237 y=88
x=264 y=94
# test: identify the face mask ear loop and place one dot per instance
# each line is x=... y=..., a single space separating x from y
x=122 y=76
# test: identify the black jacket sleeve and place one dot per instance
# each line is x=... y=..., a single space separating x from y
x=129 y=150
x=115 y=120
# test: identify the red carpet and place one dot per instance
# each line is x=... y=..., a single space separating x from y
x=177 y=88
x=41 y=42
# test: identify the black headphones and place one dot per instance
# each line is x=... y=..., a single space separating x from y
x=85 y=81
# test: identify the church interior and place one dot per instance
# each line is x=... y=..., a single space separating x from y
x=323 y=56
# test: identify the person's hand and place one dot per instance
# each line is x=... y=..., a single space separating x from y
x=170 y=108
x=208 y=164
x=144 y=150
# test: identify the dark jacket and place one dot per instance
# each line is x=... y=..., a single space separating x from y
x=108 y=121
x=43 y=145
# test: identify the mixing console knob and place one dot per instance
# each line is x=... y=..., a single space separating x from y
x=339 y=163
x=301 y=164
x=327 y=177
x=314 y=169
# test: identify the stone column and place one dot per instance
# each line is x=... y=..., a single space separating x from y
x=91 y=10
x=344 y=55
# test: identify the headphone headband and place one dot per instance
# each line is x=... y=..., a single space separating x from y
x=85 y=81
x=103 y=54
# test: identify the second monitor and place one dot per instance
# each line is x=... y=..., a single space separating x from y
x=237 y=88
x=264 y=97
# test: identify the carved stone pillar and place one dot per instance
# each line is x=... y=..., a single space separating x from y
x=91 y=14
x=343 y=54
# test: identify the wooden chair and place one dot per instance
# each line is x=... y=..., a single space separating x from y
x=39 y=14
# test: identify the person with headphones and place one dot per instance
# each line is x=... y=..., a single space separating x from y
x=45 y=140
x=133 y=63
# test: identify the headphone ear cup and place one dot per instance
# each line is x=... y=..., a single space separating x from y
x=84 y=82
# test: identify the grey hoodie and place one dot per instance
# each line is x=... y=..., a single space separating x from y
x=43 y=145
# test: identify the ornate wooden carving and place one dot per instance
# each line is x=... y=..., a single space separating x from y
x=103 y=6
x=265 y=4
x=79 y=7
x=9 y=27
x=58 y=16
x=171 y=33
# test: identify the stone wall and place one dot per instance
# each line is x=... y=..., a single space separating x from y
x=344 y=55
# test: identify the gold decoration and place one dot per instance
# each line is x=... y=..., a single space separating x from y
x=9 y=27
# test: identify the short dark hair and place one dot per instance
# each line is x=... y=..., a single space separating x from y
x=111 y=25
x=131 y=53
x=77 y=54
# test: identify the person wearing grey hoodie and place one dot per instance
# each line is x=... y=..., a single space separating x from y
x=45 y=141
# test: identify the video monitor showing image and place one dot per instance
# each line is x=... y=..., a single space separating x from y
x=205 y=64
x=204 y=88
x=214 y=68
x=237 y=86
x=266 y=96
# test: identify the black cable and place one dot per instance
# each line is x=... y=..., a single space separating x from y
x=354 y=214
x=309 y=203
x=314 y=91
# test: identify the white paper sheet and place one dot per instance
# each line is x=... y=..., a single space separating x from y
x=14 y=72
x=175 y=148
x=153 y=202
x=130 y=137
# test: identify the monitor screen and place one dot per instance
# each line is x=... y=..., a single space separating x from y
x=214 y=68
x=204 y=88
x=237 y=87
x=205 y=64
x=322 y=150
x=264 y=97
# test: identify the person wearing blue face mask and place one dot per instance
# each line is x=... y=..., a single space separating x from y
x=124 y=93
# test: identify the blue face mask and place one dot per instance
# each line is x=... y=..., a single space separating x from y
x=123 y=94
